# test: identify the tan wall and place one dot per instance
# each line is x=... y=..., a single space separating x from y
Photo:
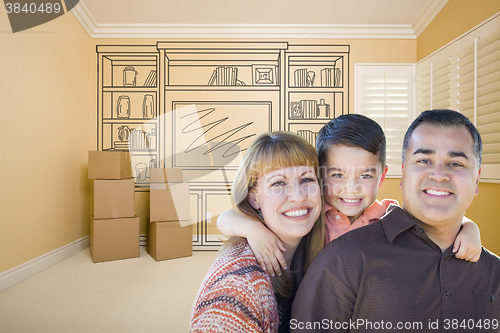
x=456 y=18
x=485 y=211
x=44 y=112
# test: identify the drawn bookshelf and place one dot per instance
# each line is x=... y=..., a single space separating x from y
x=198 y=106
x=128 y=103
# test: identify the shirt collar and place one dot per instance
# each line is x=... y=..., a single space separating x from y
x=377 y=209
x=327 y=207
x=399 y=221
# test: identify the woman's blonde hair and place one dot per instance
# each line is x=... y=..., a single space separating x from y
x=271 y=151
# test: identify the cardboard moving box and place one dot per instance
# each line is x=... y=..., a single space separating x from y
x=114 y=239
x=169 y=202
x=114 y=198
x=168 y=175
x=109 y=165
x=169 y=240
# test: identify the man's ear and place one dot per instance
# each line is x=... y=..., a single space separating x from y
x=252 y=199
x=477 y=181
x=402 y=167
x=384 y=173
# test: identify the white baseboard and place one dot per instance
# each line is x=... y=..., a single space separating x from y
x=28 y=269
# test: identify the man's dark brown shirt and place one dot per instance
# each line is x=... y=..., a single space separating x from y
x=389 y=276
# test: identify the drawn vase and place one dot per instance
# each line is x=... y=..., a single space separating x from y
x=148 y=107
x=123 y=107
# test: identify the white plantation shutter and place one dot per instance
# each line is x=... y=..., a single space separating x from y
x=477 y=84
x=488 y=96
x=441 y=85
x=384 y=93
x=424 y=86
x=434 y=82
x=465 y=81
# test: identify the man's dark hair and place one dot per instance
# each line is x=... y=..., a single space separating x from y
x=445 y=117
x=351 y=130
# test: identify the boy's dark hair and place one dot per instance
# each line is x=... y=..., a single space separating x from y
x=351 y=130
x=445 y=117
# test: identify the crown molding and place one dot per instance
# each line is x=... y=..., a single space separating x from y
x=360 y=31
x=427 y=15
x=252 y=31
x=335 y=31
x=83 y=15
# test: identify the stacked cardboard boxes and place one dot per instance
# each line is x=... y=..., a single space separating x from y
x=169 y=232
x=114 y=227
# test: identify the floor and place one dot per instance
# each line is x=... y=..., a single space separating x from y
x=132 y=295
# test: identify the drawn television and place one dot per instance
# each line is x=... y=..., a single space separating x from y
x=212 y=135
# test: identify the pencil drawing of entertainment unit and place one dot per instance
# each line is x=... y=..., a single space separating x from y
x=198 y=106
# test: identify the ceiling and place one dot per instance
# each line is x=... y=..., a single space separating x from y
x=257 y=18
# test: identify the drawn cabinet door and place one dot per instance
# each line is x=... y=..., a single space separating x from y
x=215 y=202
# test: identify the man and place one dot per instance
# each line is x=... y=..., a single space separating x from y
x=400 y=273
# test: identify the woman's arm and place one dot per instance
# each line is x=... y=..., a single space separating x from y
x=229 y=301
x=265 y=245
x=233 y=224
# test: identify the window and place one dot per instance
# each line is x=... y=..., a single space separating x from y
x=385 y=94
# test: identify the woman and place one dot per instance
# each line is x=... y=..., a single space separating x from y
x=277 y=184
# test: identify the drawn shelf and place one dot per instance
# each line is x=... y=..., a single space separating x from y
x=233 y=65
x=133 y=104
x=307 y=72
x=316 y=88
x=250 y=74
x=125 y=68
x=129 y=89
x=220 y=88
x=308 y=90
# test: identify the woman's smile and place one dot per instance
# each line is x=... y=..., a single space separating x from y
x=297 y=212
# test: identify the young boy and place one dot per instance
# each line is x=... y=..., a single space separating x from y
x=351 y=152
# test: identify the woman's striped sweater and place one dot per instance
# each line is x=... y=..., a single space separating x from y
x=235 y=296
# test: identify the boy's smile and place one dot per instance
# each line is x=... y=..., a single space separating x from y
x=351 y=178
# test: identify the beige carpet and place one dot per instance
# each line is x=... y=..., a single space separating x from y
x=133 y=295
